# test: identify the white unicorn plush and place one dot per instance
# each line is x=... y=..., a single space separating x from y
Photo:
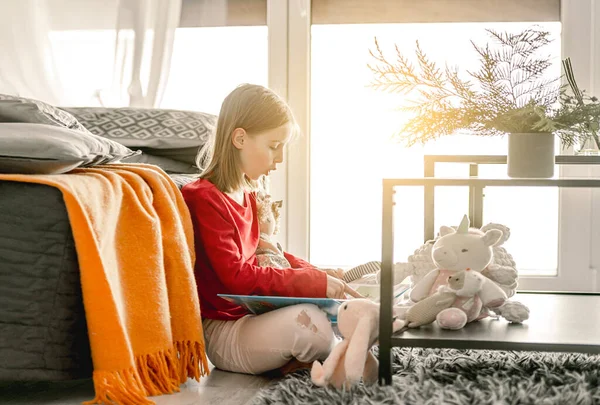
x=501 y=270
x=468 y=250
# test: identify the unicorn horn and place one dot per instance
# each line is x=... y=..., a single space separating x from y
x=464 y=225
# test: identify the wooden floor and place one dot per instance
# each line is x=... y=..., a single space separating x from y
x=219 y=388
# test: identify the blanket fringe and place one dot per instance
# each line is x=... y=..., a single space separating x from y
x=119 y=387
x=155 y=374
x=192 y=360
x=158 y=372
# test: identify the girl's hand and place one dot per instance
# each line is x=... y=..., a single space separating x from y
x=336 y=288
x=337 y=273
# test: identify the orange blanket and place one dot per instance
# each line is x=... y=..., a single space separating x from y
x=135 y=247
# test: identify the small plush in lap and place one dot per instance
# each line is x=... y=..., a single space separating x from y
x=269 y=253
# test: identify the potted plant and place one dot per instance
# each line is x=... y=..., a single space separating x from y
x=508 y=95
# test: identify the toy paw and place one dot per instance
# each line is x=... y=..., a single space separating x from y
x=317 y=374
x=352 y=378
x=451 y=318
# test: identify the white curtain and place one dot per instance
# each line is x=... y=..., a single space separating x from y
x=145 y=33
x=581 y=41
x=154 y=23
x=26 y=63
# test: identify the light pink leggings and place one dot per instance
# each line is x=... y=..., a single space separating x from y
x=255 y=344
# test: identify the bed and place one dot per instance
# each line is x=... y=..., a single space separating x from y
x=43 y=334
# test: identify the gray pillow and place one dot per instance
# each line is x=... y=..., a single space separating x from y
x=25 y=110
x=168 y=165
x=184 y=155
x=148 y=128
x=47 y=149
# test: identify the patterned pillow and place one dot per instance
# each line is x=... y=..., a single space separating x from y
x=148 y=128
x=24 y=110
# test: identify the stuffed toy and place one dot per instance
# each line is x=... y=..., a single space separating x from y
x=269 y=253
x=351 y=359
x=469 y=282
x=462 y=284
x=501 y=271
x=457 y=250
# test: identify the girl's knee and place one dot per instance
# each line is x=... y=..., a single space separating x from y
x=309 y=316
x=315 y=329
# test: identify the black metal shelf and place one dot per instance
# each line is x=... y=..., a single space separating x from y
x=476 y=193
x=433 y=336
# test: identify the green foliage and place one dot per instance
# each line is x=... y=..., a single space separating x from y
x=507 y=94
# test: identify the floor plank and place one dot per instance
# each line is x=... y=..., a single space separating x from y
x=220 y=387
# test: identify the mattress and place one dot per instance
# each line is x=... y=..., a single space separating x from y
x=43 y=334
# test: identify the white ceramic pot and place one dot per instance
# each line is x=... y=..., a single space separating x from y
x=531 y=155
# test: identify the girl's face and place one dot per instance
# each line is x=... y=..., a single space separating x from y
x=260 y=153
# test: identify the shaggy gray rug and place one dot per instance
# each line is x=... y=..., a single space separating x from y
x=444 y=376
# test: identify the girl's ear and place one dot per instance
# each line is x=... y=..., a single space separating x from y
x=238 y=138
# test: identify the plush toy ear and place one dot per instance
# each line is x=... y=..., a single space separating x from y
x=491 y=237
x=358 y=349
x=446 y=230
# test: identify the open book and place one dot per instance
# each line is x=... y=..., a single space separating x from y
x=259 y=304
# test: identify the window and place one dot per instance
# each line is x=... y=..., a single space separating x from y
x=209 y=62
x=351 y=125
x=84 y=60
x=332 y=134
x=218 y=46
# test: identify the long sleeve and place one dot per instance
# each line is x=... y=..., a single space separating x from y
x=226 y=238
x=296 y=262
x=239 y=274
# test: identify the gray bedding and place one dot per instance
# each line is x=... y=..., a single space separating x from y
x=43 y=334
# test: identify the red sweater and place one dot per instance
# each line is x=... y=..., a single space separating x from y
x=226 y=237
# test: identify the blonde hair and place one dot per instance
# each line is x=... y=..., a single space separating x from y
x=253 y=108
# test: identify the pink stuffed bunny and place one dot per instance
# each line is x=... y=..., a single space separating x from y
x=350 y=360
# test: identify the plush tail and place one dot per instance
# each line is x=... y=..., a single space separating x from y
x=513 y=311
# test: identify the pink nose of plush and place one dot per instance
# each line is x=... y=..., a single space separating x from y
x=444 y=256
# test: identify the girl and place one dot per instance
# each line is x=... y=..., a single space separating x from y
x=253 y=128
